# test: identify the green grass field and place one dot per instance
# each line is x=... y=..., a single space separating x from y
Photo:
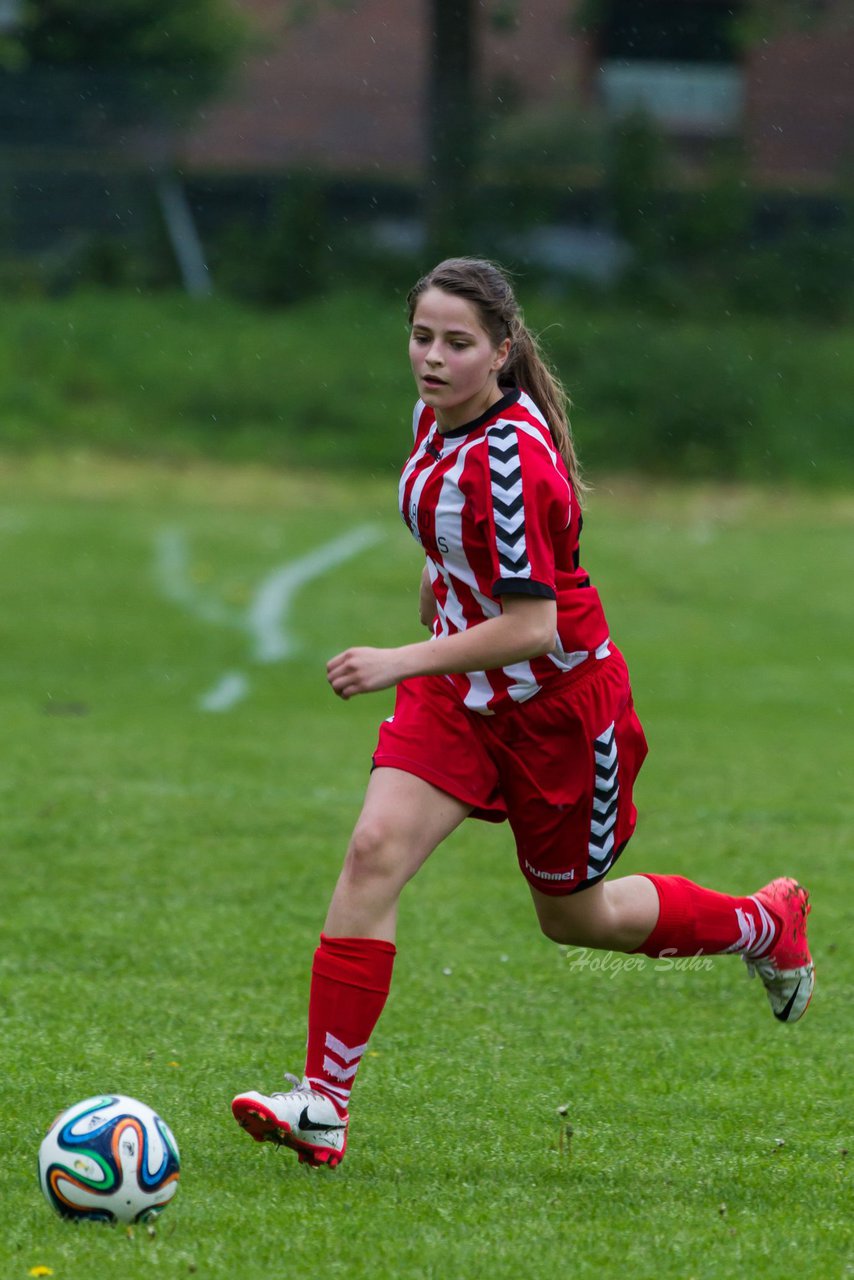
x=326 y=383
x=167 y=869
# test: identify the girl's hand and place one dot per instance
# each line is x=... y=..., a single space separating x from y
x=364 y=671
x=526 y=628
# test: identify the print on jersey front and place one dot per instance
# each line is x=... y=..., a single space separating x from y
x=493 y=508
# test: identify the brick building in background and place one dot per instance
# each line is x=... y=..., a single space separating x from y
x=345 y=89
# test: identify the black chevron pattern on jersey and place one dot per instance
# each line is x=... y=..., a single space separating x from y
x=508 y=504
x=606 y=794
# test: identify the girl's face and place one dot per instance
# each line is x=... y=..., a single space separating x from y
x=453 y=359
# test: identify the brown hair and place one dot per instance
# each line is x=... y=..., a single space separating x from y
x=488 y=289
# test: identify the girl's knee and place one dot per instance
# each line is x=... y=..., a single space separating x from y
x=569 y=934
x=572 y=928
x=555 y=930
x=371 y=852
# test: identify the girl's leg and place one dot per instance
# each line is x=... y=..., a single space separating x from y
x=658 y=915
x=616 y=915
x=672 y=916
x=403 y=820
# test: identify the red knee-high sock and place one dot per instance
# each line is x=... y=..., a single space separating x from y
x=350 y=980
x=693 y=920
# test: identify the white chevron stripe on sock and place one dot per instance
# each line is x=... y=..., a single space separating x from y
x=340 y=1095
x=334 y=1069
x=344 y=1051
x=746 y=935
x=766 y=938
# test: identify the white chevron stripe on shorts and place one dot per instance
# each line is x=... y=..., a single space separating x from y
x=606 y=793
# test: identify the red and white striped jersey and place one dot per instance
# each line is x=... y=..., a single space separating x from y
x=493 y=508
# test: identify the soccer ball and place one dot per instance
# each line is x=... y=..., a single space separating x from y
x=109 y=1158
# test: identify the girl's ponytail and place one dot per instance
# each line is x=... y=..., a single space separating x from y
x=528 y=368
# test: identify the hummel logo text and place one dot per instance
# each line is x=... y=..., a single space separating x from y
x=549 y=875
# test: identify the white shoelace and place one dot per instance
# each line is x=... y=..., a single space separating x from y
x=300 y=1086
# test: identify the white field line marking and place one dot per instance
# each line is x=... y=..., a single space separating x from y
x=172 y=568
x=267 y=616
x=266 y=619
x=231 y=689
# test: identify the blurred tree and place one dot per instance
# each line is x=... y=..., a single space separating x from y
x=169 y=53
x=99 y=86
x=763 y=19
x=452 y=123
x=452 y=115
x=748 y=21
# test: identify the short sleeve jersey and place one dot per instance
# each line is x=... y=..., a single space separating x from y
x=492 y=506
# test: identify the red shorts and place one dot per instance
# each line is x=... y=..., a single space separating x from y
x=560 y=767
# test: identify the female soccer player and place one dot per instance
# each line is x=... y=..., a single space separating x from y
x=518 y=707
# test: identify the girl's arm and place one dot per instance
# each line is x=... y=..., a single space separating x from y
x=426 y=600
x=525 y=629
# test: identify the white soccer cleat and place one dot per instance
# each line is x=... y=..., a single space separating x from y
x=303 y=1118
x=788 y=972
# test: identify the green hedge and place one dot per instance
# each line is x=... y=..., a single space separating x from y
x=326 y=382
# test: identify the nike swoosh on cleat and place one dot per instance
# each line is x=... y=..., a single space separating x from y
x=309 y=1126
x=783 y=1015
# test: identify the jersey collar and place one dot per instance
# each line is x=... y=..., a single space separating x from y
x=510 y=397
